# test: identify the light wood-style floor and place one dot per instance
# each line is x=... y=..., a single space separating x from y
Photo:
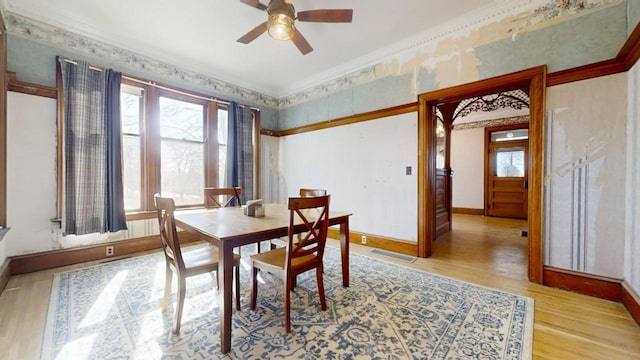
x=484 y=251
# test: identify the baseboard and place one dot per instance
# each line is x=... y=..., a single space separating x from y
x=5 y=274
x=587 y=284
x=52 y=259
x=467 y=211
x=380 y=242
x=631 y=301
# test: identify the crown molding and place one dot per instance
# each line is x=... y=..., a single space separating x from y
x=361 y=70
x=37 y=31
x=526 y=14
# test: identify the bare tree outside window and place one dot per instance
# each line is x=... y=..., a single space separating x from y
x=173 y=143
x=182 y=151
x=130 y=110
x=223 y=132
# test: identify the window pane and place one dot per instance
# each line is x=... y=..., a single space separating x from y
x=130 y=113
x=131 y=172
x=181 y=120
x=222 y=165
x=223 y=132
x=223 y=126
x=183 y=171
x=510 y=162
x=510 y=135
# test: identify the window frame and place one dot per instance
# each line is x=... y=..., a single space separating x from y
x=150 y=140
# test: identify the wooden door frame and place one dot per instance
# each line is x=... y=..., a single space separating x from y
x=488 y=159
x=535 y=80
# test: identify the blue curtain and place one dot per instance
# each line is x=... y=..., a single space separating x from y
x=116 y=219
x=240 y=150
x=93 y=196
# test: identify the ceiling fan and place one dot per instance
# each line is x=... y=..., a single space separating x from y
x=282 y=15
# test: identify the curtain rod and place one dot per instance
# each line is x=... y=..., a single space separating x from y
x=152 y=83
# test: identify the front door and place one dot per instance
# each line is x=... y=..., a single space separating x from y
x=507 y=174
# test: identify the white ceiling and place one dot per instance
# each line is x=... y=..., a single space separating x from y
x=200 y=35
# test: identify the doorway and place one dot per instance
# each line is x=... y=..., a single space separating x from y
x=534 y=80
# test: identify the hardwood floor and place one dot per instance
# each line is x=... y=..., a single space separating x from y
x=489 y=243
x=485 y=251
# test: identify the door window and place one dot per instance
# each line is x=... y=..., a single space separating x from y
x=509 y=162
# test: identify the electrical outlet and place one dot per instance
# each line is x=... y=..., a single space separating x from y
x=364 y=239
x=109 y=251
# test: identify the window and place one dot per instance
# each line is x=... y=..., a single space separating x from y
x=182 y=151
x=173 y=143
x=223 y=126
x=131 y=118
x=509 y=162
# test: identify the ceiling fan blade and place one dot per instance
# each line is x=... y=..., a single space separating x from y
x=253 y=34
x=301 y=43
x=328 y=16
x=255 y=3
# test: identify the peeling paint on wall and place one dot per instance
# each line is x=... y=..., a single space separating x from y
x=453 y=58
x=560 y=34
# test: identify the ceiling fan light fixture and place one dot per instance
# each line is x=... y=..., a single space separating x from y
x=280 y=26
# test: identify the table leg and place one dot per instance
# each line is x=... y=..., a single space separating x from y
x=344 y=250
x=225 y=269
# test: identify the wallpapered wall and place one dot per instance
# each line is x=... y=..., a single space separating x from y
x=632 y=198
x=363 y=166
x=562 y=35
x=585 y=175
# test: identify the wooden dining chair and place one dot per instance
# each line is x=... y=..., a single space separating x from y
x=298 y=256
x=185 y=264
x=212 y=197
x=230 y=197
x=304 y=192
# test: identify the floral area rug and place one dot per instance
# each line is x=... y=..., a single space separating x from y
x=112 y=311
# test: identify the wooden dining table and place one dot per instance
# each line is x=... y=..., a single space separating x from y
x=228 y=228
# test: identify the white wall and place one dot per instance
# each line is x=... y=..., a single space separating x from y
x=585 y=175
x=362 y=166
x=31 y=183
x=467 y=162
x=31 y=173
x=632 y=204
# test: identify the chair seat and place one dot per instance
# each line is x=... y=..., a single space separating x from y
x=203 y=259
x=275 y=259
